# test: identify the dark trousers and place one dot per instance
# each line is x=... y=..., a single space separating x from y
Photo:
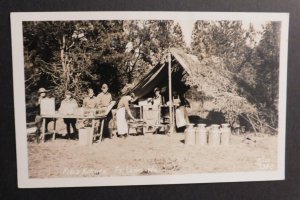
x=70 y=122
x=39 y=122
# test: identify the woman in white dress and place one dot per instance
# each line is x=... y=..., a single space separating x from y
x=123 y=106
x=181 y=114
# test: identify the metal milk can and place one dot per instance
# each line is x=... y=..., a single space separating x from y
x=189 y=135
x=201 y=134
x=214 y=135
x=225 y=134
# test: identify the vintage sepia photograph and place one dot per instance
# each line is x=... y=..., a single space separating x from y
x=137 y=98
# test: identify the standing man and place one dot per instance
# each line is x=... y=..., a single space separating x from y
x=42 y=93
x=104 y=99
x=67 y=107
x=158 y=99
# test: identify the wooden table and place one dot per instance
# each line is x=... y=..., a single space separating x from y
x=59 y=116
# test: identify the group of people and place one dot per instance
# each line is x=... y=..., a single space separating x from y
x=179 y=103
x=103 y=100
x=69 y=104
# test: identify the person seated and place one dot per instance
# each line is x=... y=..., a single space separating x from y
x=67 y=107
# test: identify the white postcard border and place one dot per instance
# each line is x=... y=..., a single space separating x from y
x=20 y=112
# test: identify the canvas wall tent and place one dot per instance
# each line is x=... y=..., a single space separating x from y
x=182 y=64
x=212 y=82
x=171 y=72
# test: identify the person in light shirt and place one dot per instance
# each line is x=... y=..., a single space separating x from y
x=42 y=92
x=181 y=114
x=67 y=107
x=158 y=98
x=104 y=98
x=90 y=102
x=123 y=107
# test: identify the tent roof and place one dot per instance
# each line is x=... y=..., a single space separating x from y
x=188 y=61
x=159 y=73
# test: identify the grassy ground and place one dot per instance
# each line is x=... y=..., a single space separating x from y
x=149 y=154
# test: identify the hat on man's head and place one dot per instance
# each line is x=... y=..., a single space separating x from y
x=42 y=90
x=156 y=89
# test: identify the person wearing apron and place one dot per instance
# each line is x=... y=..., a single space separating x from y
x=123 y=106
x=181 y=115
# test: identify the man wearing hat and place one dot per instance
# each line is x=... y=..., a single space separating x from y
x=42 y=93
x=67 y=107
x=158 y=98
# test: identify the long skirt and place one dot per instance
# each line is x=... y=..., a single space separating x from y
x=122 y=126
x=182 y=118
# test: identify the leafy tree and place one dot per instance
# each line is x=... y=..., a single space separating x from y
x=249 y=70
x=74 y=55
x=60 y=56
x=267 y=66
x=147 y=43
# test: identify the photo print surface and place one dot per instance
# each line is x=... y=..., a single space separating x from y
x=135 y=98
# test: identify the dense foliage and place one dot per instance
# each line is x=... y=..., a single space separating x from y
x=75 y=55
x=242 y=70
x=238 y=72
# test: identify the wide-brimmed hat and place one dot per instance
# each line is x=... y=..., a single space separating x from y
x=42 y=90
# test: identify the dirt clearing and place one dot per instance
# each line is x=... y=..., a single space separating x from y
x=149 y=154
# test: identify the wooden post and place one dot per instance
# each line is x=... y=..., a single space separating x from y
x=43 y=130
x=101 y=130
x=170 y=94
x=54 y=128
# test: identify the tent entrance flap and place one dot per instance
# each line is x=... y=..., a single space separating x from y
x=181 y=64
x=157 y=75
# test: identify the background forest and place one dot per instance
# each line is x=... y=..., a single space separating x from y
x=75 y=55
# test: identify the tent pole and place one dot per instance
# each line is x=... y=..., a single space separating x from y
x=170 y=94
